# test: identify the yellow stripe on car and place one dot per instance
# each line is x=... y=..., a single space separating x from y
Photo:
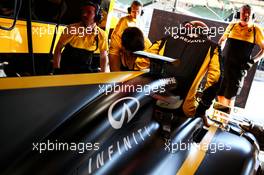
x=66 y=80
x=196 y=154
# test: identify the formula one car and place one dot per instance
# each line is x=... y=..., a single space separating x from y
x=105 y=124
x=101 y=123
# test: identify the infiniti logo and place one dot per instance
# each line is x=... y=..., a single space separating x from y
x=125 y=109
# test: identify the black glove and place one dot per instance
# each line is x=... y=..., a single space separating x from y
x=248 y=65
x=200 y=112
x=201 y=109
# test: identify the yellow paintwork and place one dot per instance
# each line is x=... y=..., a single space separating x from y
x=15 y=41
x=197 y=154
x=66 y=80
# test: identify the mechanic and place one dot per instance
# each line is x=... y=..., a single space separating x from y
x=240 y=39
x=133 y=40
x=116 y=54
x=80 y=42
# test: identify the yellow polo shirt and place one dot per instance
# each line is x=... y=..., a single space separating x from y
x=245 y=33
x=82 y=37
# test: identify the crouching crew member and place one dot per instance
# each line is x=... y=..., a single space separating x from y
x=132 y=40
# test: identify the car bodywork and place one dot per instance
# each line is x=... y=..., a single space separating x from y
x=118 y=124
x=115 y=117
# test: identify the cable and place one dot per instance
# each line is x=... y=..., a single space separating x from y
x=56 y=30
x=29 y=35
x=16 y=13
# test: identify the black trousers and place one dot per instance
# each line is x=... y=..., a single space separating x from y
x=233 y=81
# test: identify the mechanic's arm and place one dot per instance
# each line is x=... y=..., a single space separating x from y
x=57 y=55
x=115 y=62
x=260 y=43
x=214 y=69
x=103 y=47
x=259 y=55
x=222 y=40
x=116 y=45
x=104 y=61
x=64 y=39
x=114 y=52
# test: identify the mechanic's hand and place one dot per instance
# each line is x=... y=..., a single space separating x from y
x=204 y=118
x=200 y=112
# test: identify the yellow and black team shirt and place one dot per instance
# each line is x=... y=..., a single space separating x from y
x=128 y=62
x=240 y=42
x=81 y=37
x=251 y=33
x=197 y=56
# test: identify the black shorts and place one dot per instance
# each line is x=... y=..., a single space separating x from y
x=75 y=60
x=232 y=82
